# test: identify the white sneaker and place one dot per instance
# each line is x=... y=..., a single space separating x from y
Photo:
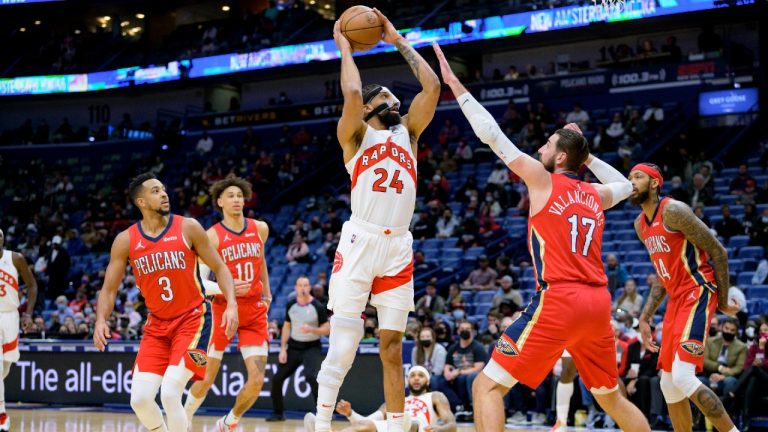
x=539 y=419
x=223 y=427
x=5 y=422
x=558 y=427
x=309 y=422
x=518 y=419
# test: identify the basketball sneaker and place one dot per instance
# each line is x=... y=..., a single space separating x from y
x=223 y=427
x=309 y=422
x=5 y=422
x=558 y=427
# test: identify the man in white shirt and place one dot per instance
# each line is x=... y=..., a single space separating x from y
x=578 y=116
x=205 y=144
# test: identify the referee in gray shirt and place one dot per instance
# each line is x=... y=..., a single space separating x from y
x=306 y=320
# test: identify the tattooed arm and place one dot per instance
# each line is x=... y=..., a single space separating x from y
x=679 y=217
x=655 y=298
x=443 y=409
x=423 y=106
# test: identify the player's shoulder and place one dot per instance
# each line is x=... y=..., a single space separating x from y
x=675 y=208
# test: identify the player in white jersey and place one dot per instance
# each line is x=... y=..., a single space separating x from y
x=425 y=410
x=12 y=264
x=374 y=256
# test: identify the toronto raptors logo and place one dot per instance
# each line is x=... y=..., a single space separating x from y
x=338 y=262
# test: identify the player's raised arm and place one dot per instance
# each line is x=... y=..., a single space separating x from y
x=266 y=295
x=202 y=246
x=351 y=127
x=679 y=217
x=422 y=108
x=615 y=187
x=118 y=259
x=533 y=173
x=29 y=280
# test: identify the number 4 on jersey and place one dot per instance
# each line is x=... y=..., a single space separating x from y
x=395 y=184
x=661 y=270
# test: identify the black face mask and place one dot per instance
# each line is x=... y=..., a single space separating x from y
x=465 y=334
x=712 y=332
x=426 y=343
x=729 y=337
x=369 y=330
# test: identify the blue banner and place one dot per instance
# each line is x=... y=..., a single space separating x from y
x=734 y=101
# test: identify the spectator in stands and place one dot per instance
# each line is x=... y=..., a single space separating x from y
x=699 y=212
x=465 y=359
x=751 y=333
x=447 y=163
x=447 y=225
x=482 y=278
x=464 y=151
x=629 y=300
x=677 y=191
x=728 y=226
x=739 y=183
x=616 y=128
x=500 y=174
x=449 y=133
x=428 y=353
x=443 y=332
x=700 y=195
x=735 y=293
x=674 y=51
x=423 y=227
x=714 y=326
x=315 y=231
x=641 y=381
x=749 y=218
x=437 y=190
x=506 y=291
x=724 y=359
x=512 y=74
x=421 y=264
x=504 y=268
x=492 y=331
x=63 y=133
x=431 y=301
x=653 y=115
x=758 y=235
x=617 y=274
x=635 y=124
x=578 y=116
x=490 y=207
x=456 y=303
x=298 y=251
x=57 y=268
x=511 y=118
x=753 y=383
x=204 y=144
x=646 y=49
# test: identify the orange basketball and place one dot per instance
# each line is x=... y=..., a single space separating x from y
x=361 y=26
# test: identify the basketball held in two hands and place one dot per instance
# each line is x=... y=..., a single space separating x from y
x=362 y=27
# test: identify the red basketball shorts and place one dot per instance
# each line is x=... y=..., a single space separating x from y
x=572 y=317
x=252 y=323
x=169 y=342
x=686 y=326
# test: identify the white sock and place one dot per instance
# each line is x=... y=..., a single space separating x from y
x=395 y=422
x=734 y=429
x=192 y=404
x=326 y=401
x=563 y=401
x=231 y=419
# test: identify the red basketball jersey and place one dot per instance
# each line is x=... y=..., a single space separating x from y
x=166 y=270
x=678 y=262
x=565 y=238
x=242 y=252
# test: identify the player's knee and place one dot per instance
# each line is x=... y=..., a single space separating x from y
x=685 y=380
x=390 y=348
x=671 y=393
x=141 y=401
x=171 y=393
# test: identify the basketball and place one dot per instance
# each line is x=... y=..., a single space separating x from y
x=361 y=26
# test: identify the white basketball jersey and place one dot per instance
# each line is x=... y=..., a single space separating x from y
x=421 y=409
x=9 y=283
x=383 y=173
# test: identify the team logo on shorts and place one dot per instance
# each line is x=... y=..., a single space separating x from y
x=198 y=358
x=505 y=347
x=692 y=347
x=338 y=262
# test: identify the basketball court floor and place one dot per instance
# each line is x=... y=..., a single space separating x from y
x=76 y=419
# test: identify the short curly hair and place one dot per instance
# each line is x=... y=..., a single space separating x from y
x=220 y=186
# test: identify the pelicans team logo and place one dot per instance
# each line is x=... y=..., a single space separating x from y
x=338 y=262
x=199 y=359
x=692 y=347
x=503 y=346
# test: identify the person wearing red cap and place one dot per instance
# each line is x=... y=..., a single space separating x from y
x=680 y=246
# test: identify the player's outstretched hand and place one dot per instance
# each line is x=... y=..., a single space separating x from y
x=342 y=43
x=390 y=32
x=100 y=334
x=648 y=342
x=344 y=408
x=445 y=68
x=229 y=320
x=731 y=309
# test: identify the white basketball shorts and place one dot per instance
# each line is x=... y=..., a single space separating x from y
x=9 y=335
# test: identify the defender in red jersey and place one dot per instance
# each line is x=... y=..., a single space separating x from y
x=163 y=251
x=240 y=243
x=572 y=306
x=680 y=246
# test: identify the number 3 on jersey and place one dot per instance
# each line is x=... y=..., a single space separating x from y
x=165 y=284
x=395 y=184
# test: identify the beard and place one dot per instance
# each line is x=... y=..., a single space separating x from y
x=549 y=165
x=162 y=212
x=640 y=198
x=390 y=118
x=419 y=391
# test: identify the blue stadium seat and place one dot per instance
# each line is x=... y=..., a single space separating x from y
x=484 y=296
x=527 y=272
x=728 y=199
x=757 y=292
x=643 y=268
x=735 y=266
x=751 y=252
x=624 y=235
x=744 y=278
x=636 y=256
x=738 y=241
x=453 y=253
